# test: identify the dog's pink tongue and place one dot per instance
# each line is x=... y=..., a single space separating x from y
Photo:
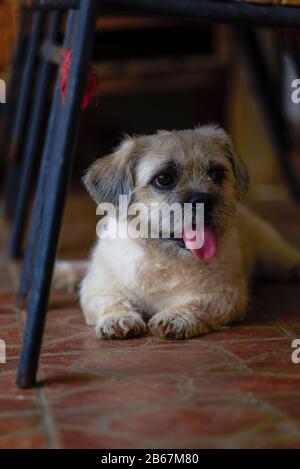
x=209 y=248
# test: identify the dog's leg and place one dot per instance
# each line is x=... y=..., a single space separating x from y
x=68 y=275
x=201 y=316
x=120 y=321
x=274 y=257
x=113 y=316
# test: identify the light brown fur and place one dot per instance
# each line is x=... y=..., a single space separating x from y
x=134 y=282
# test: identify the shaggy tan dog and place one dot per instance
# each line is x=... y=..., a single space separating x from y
x=132 y=284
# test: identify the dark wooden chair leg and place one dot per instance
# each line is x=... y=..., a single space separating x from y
x=29 y=152
x=12 y=156
x=273 y=112
x=37 y=211
x=60 y=170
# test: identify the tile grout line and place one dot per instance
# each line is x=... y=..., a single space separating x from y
x=264 y=402
x=284 y=330
x=48 y=420
x=50 y=427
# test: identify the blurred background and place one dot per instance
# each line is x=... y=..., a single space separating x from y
x=235 y=388
x=163 y=74
x=159 y=74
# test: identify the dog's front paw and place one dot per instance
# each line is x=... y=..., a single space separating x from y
x=120 y=325
x=177 y=325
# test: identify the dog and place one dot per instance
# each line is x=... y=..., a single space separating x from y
x=159 y=284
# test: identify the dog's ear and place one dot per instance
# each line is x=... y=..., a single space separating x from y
x=112 y=176
x=239 y=169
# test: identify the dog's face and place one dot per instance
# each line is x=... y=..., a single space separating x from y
x=188 y=166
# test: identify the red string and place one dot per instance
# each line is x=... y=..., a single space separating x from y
x=92 y=88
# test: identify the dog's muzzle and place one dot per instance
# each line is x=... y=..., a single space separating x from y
x=209 y=201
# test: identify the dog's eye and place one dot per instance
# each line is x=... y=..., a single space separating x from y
x=217 y=174
x=165 y=180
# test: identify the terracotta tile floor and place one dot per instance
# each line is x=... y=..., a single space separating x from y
x=235 y=388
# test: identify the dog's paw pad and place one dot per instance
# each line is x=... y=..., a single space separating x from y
x=120 y=326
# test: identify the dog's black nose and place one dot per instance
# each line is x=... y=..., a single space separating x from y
x=200 y=198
